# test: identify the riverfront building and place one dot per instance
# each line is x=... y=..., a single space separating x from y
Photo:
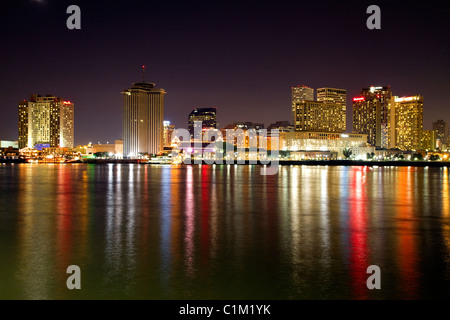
x=143 y=116
x=370 y=115
x=207 y=116
x=46 y=121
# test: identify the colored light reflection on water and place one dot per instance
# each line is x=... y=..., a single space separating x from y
x=223 y=232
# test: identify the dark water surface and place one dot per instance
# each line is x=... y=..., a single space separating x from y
x=223 y=232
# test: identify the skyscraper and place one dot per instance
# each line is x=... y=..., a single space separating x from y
x=208 y=117
x=429 y=140
x=318 y=116
x=46 y=121
x=370 y=115
x=332 y=96
x=143 y=116
x=168 y=131
x=408 y=122
x=300 y=94
x=441 y=128
x=335 y=97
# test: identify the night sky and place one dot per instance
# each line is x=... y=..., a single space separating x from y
x=239 y=56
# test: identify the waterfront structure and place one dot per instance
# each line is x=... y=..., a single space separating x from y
x=319 y=116
x=246 y=134
x=168 y=131
x=46 y=120
x=143 y=116
x=429 y=140
x=325 y=141
x=207 y=116
x=334 y=96
x=441 y=128
x=113 y=149
x=298 y=95
x=370 y=115
x=9 y=144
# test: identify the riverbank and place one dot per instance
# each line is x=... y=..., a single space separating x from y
x=11 y=161
x=355 y=163
x=282 y=163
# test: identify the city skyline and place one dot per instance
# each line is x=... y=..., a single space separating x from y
x=385 y=136
x=211 y=153
x=246 y=82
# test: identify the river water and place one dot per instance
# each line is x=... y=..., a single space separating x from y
x=223 y=232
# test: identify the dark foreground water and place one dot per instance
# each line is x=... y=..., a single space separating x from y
x=223 y=232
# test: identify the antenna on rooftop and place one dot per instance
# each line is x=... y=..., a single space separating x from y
x=143 y=73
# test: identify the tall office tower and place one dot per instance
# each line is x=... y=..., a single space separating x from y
x=168 y=131
x=429 y=140
x=318 y=116
x=334 y=96
x=300 y=94
x=370 y=115
x=208 y=117
x=143 y=116
x=408 y=122
x=46 y=121
x=441 y=128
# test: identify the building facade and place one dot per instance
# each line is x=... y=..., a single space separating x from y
x=429 y=140
x=370 y=115
x=281 y=126
x=333 y=96
x=143 y=116
x=325 y=141
x=298 y=95
x=207 y=116
x=248 y=125
x=408 y=123
x=441 y=128
x=319 y=116
x=9 y=144
x=168 y=131
x=46 y=120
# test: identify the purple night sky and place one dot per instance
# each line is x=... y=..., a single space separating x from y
x=239 y=56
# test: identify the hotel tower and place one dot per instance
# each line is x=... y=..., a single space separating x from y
x=46 y=121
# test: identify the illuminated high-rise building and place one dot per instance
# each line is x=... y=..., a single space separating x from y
x=333 y=96
x=168 y=131
x=408 y=122
x=370 y=115
x=207 y=116
x=429 y=140
x=300 y=94
x=318 y=116
x=143 y=116
x=46 y=121
x=441 y=128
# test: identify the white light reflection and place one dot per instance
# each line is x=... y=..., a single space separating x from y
x=190 y=225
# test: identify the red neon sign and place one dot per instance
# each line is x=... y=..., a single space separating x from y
x=359 y=99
